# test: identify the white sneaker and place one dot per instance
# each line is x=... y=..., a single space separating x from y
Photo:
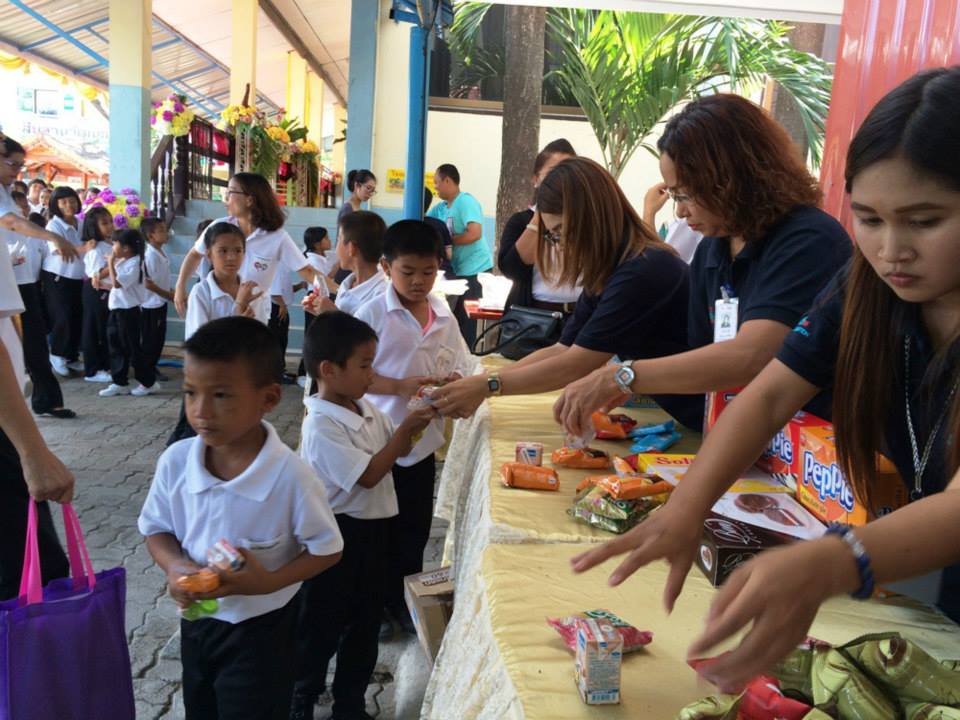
x=140 y=390
x=302 y=381
x=59 y=365
x=76 y=365
x=114 y=389
x=102 y=376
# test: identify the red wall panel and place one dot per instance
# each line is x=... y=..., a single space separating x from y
x=882 y=42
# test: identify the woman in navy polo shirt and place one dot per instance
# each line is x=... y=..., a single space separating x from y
x=885 y=335
x=634 y=301
x=736 y=177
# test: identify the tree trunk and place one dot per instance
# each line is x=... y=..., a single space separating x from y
x=522 y=93
x=807 y=37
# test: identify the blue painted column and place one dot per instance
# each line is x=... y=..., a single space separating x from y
x=364 y=29
x=130 y=71
x=417 y=121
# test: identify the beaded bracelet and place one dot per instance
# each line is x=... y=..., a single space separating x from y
x=864 y=569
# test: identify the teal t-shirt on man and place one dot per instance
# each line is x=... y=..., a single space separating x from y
x=467 y=259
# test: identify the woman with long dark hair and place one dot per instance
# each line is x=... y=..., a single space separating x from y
x=885 y=336
x=362 y=186
x=252 y=206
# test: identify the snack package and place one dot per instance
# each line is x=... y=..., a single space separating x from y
x=628 y=487
x=612 y=427
x=659 y=429
x=633 y=639
x=717 y=402
x=599 y=655
x=581 y=458
x=727 y=543
x=529 y=477
x=529 y=453
x=423 y=398
x=224 y=556
x=206 y=580
x=655 y=442
x=578 y=442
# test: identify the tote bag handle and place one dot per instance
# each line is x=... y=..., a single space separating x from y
x=81 y=569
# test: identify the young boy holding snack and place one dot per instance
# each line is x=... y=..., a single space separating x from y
x=420 y=344
x=237 y=482
x=352 y=446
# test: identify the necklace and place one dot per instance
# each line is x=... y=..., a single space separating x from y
x=920 y=460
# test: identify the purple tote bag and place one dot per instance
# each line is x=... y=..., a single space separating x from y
x=63 y=648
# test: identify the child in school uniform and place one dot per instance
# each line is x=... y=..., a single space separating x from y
x=63 y=284
x=420 y=344
x=237 y=481
x=153 y=312
x=96 y=233
x=352 y=446
x=123 y=325
x=319 y=253
x=359 y=248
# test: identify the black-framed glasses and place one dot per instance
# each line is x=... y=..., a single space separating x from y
x=552 y=236
x=235 y=192
x=680 y=197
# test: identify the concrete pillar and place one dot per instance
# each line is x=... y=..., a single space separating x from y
x=364 y=31
x=296 y=96
x=243 y=50
x=338 y=156
x=316 y=91
x=130 y=68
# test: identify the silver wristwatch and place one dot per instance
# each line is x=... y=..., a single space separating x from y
x=624 y=377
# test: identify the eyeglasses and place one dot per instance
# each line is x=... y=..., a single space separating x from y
x=370 y=190
x=552 y=236
x=680 y=197
x=14 y=165
x=235 y=192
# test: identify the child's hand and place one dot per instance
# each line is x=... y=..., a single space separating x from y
x=252 y=579
x=411 y=429
x=247 y=294
x=326 y=305
x=407 y=387
x=95 y=281
x=176 y=570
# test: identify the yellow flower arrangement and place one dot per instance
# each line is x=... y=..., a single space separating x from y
x=279 y=134
x=233 y=114
x=307 y=146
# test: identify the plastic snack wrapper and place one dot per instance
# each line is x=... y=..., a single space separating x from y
x=612 y=427
x=423 y=398
x=663 y=428
x=629 y=487
x=529 y=477
x=633 y=639
x=655 y=442
x=875 y=677
x=580 y=458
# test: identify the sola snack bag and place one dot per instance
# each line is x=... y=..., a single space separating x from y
x=599 y=656
x=529 y=477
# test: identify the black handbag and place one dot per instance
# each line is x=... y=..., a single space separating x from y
x=523 y=330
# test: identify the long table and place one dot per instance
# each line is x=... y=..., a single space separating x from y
x=510 y=550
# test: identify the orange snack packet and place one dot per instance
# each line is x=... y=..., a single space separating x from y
x=529 y=477
x=206 y=580
x=582 y=458
x=632 y=487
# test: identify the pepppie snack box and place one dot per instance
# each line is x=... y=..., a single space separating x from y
x=727 y=543
x=781 y=458
x=598 y=660
x=717 y=402
x=825 y=492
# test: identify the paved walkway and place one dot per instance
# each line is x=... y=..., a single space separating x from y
x=112 y=448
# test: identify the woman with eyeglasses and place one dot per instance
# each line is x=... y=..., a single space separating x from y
x=252 y=206
x=634 y=300
x=767 y=251
x=362 y=185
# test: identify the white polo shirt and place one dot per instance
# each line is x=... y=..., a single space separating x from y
x=406 y=351
x=54 y=262
x=266 y=251
x=275 y=508
x=27 y=255
x=322 y=262
x=339 y=445
x=207 y=302
x=96 y=260
x=10 y=301
x=157 y=265
x=283 y=286
x=131 y=290
x=351 y=298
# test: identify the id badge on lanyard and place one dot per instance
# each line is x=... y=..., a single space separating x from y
x=725 y=316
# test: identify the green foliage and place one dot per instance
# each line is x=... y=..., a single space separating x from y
x=627 y=71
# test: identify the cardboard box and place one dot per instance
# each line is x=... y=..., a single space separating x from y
x=825 y=492
x=781 y=458
x=727 y=543
x=598 y=662
x=429 y=597
x=717 y=402
x=672 y=468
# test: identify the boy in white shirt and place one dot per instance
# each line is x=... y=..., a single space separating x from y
x=352 y=446
x=420 y=344
x=237 y=481
x=359 y=248
x=153 y=312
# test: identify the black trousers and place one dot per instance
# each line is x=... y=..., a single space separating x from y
x=340 y=612
x=123 y=335
x=153 y=333
x=36 y=354
x=241 y=671
x=307 y=322
x=411 y=527
x=96 y=349
x=281 y=331
x=65 y=313
x=13 y=527
x=468 y=327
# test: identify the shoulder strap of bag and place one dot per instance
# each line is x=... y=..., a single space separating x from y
x=511 y=321
x=81 y=569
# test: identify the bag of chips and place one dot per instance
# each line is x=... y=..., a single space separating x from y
x=633 y=639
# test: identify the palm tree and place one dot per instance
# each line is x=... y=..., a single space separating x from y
x=628 y=71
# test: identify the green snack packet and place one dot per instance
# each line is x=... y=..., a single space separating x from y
x=839 y=683
x=927 y=711
x=586 y=515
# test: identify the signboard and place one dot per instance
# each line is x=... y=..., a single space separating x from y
x=396 y=177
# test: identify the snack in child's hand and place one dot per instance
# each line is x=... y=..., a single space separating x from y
x=633 y=639
x=423 y=398
x=529 y=453
x=203 y=581
x=581 y=458
x=529 y=477
x=199 y=609
x=612 y=427
x=224 y=556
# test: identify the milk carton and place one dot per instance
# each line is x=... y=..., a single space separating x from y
x=598 y=659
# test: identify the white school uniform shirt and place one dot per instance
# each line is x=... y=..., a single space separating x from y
x=39 y=208
x=339 y=445
x=266 y=251
x=131 y=290
x=283 y=286
x=55 y=263
x=207 y=302
x=405 y=350
x=351 y=298
x=275 y=508
x=11 y=303
x=157 y=265
x=27 y=255
x=322 y=262
x=96 y=260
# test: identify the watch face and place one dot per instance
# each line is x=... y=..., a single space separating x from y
x=624 y=376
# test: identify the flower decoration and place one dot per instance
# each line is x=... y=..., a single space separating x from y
x=238 y=113
x=277 y=133
x=125 y=206
x=171 y=117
